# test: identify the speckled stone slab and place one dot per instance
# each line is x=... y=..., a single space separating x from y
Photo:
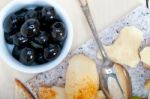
x=140 y=18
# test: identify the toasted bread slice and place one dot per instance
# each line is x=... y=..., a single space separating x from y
x=21 y=92
x=51 y=93
x=82 y=81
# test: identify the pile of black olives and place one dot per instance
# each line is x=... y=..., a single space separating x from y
x=37 y=34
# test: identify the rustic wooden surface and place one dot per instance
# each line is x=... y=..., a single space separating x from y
x=104 y=12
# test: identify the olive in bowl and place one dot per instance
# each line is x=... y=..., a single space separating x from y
x=35 y=35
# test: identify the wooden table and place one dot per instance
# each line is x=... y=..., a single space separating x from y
x=104 y=13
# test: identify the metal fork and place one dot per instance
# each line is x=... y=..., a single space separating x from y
x=107 y=69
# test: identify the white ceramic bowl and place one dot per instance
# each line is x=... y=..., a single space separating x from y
x=5 y=53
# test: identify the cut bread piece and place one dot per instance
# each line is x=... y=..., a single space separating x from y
x=147 y=84
x=145 y=57
x=51 y=93
x=125 y=50
x=82 y=81
x=100 y=95
x=21 y=92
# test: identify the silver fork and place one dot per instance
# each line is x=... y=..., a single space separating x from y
x=107 y=69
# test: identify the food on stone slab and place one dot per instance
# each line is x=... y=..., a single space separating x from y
x=59 y=93
x=147 y=84
x=125 y=49
x=51 y=93
x=82 y=80
x=145 y=57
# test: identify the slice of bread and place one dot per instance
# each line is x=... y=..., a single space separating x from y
x=82 y=81
x=21 y=92
x=51 y=93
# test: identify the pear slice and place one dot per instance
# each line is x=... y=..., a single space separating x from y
x=125 y=49
x=51 y=93
x=100 y=95
x=145 y=57
x=82 y=80
x=147 y=84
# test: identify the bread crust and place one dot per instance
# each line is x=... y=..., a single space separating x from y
x=22 y=87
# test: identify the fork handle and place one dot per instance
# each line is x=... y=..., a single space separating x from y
x=87 y=13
